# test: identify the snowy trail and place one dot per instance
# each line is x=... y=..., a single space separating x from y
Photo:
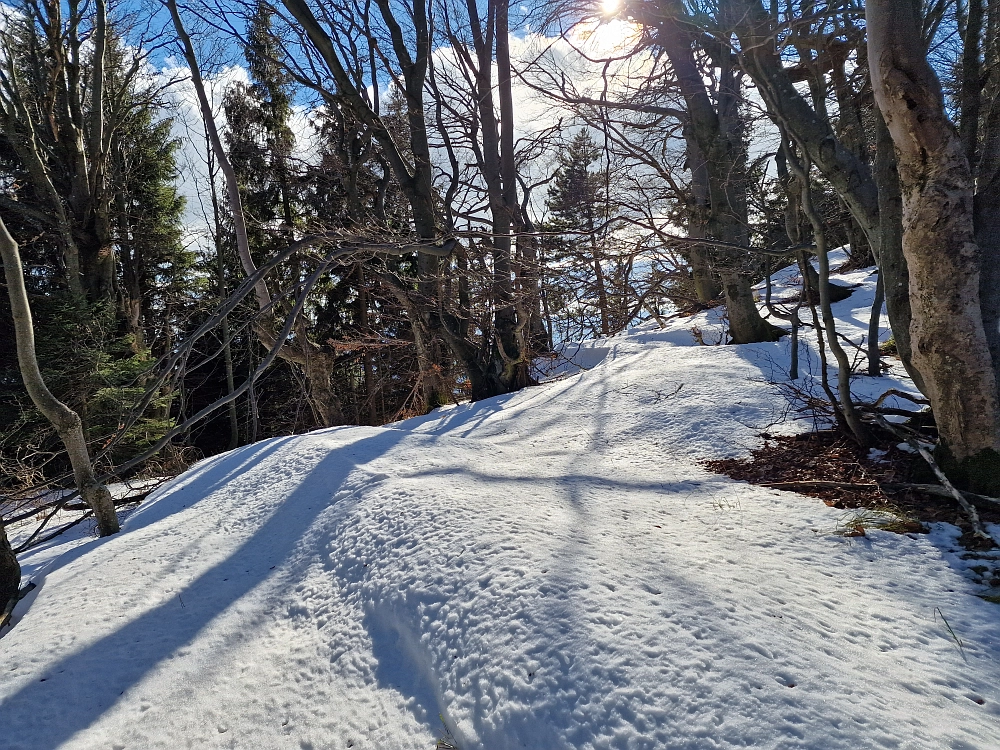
x=551 y=569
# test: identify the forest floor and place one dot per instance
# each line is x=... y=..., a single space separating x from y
x=556 y=568
x=831 y=466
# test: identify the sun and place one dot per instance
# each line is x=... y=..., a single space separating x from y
x=611 y=7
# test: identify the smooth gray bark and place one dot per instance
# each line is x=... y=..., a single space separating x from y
x=715 y=133
x=891 y=262
x=987 y=200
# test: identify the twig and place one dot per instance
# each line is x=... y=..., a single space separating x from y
x=958 y=641
x=661 y=395
x=970 y=511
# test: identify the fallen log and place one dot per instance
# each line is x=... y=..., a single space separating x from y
x=136 y=498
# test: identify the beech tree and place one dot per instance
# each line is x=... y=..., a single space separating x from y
x=715 y=140
x=939 y=241
x=953 y=324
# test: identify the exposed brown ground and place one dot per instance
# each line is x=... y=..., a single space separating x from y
x=831 y=457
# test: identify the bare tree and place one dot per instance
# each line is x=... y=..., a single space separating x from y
x=66 y=421
x=757 y=31
x=698 y=90
x=715 y=139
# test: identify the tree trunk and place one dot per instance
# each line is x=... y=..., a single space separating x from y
x=366 y=406
x=705 y=285
x=851 y=132
x=325 y=405
x=847 y=410
x=987 y=212
x=714 y=139
x=530 y=289
x=987 y=202
x=227 y=358
x=10 y=570
x=517 y=363
x=874 y=352
x=744 y=328
x=949 y=343
x=970 y=94
x=706 y=288
x=66 y=421
x=860 y=254
x=220 y=271
x=891 y=262
x=499 y=175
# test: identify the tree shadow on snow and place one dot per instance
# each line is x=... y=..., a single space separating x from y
x=76 y=691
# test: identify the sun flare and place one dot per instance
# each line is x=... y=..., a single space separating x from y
x=610 y=7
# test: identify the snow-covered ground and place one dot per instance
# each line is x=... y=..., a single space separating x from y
x=550 y=569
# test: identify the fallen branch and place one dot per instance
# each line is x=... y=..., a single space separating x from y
x=33 y=512
x=56 y=507
x=137 y=498
x=901 y=394
x=893 y=412
x=970 y=511
x=33 y=542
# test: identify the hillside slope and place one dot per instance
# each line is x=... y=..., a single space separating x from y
x=551 y=569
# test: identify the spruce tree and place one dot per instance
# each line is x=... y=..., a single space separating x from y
x=576 y=201
x=93 y=348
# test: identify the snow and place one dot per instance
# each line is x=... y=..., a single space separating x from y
x=549 y=569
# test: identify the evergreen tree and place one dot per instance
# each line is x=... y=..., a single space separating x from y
x=95 y=348
x=337 y=354
x=577 y=203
